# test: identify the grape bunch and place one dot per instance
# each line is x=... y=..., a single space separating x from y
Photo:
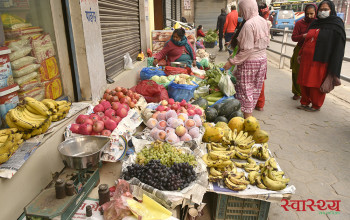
x=167 y=154
x=157 y=175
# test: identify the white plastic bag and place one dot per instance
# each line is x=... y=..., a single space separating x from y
x=128 y=62
x=226 y=85
x=197 y=71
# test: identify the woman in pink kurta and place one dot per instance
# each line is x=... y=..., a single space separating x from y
x=251 y=58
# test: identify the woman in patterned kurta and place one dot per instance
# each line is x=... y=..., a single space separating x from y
x=251 y=58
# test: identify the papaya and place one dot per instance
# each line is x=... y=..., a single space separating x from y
x=207 y=124
x=236 y=123
x=260 y=136
x=213 y=134
x=225 y=127
x=251 y=124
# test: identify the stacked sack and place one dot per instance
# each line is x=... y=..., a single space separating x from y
x=37 y=73
x=34 y=117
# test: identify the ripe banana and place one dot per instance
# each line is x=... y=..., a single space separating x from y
x=11 y=124
x=214 y=172
x=51 y=104
x=272 y=162
x=221 y=155
x=210 y=162
x=37 y=105
x=250 y=168
x=17 y=118
x=271 y=175
x=238 y=181
x=242 y=155
x=3 y=138
x=244 y=151
x=259 y=182
x=212 y=178
x=251 y=176
x=233 y=186
x=8 y=131
x=4 y=157
x=240 y=165
x=272 y=184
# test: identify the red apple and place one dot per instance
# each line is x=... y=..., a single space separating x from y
x=94 y=117
x=105 y=95
x=75 y=128
x=122 y=112
x=100 y=114
x=108 y=97
x=132 y=104
x=98 y=126
x=118 y=89
x=116 y=119
x=116 y=105
x=106 y=133
x=123 y=100
x=124 y=90
x=108 y=91
x=88 y=121
x=80 y=119
x=105 y=118
x=114 y=99
x=120 y=95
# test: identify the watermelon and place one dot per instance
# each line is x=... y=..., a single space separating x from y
x=229 y=107
x=211 y=114
x=218 y=106
x=221 y=118
x=201 y=102
x=235 y=114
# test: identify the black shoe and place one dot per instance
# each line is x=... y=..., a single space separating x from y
x=220 y=50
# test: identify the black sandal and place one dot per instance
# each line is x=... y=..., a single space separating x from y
x=310 y=109
x=303 y=107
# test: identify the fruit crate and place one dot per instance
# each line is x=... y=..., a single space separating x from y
x=230 y=207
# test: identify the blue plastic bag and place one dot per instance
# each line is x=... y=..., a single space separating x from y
x=223 y=99
x=148 y=72
x=181 y=91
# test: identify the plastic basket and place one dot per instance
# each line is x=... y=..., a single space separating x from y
x=230 y=207
x=181 y=91
x=209 y=44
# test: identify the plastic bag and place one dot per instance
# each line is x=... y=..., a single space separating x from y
x=148 y=72
x=128 y=62
x=21 y=62
x=201 y=91
x=151 y=91
x=18 y=44
x=169 y=70
x=25 y=70
x=181 y=91
x=31 y=84
x=26 y=78
x=226 y=85
x=116 y=209
x=38 y=93
x=24 y=51
x=43 y=47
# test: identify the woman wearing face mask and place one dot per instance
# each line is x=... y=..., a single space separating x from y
x=299 y=34
x=177 y=49
x=251 y=58
x=320 y=56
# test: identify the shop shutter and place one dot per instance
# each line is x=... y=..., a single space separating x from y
x=120 y=27
x=207 y=11
x=168 y=12
x=178 y=10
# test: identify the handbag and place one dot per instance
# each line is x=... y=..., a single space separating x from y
x=329 y=82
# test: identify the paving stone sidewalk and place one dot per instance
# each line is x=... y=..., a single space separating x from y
x=313 y=148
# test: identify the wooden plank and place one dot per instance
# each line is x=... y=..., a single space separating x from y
x=62 y=48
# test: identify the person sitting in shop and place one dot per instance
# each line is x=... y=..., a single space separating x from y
x=177 y=49
x=200 y=32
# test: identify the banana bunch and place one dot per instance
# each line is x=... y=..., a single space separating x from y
x=236 y=182
x=242 y=139
x=10 y=140
x=269 y=177
x=58 y=109
x=261 y=153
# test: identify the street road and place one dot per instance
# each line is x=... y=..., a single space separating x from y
x=289 y=51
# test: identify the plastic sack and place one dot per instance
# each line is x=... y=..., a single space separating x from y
x=18 y=44
x=128 y=62
x=43 y=47
x=117 y=209
x=24 y=51
x=37 y=93
x=21 y=62
x=148 y=72
x=31 y=84
x=26 y=78
x=181 y=91
x=53 y=88
x=169 y=70
x=204 y=62
x=49 y=69
x=25 y=70
x=198 y=72
x=226 y=85
x=14 y=34
x=151 y=91
x=9 y=20
x=201 y=91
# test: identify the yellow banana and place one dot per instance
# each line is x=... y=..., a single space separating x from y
x=233 y=186
x=234 y=135
x=8 y=131
x=272 y=163
x=3 y=138
x=251 y=161
x=272 y=184
x=51 y=104
x=63 y=102
x=240 y=165
x=4 y=157
x=17 y=118
x=214 y=172
x=251 y=176
x=26 y=135
x=259 y=182
x=242 y=155
x=271 y=175
x=210 y=162
x=46 y=125
x=251 y=168
x=212 y=178
x=36 y=131
x=241 y=181
x=37 y=105
x=11 y=124
x=244 y=151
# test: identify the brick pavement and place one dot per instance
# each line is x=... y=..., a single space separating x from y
x=313 y=148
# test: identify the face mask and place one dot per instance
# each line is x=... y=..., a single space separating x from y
x=323 y=14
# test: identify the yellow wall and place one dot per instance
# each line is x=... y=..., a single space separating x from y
x=151 y=19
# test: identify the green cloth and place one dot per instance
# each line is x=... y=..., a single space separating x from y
x=294 y=65
x=185 y=58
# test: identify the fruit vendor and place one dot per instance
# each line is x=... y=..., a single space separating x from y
x=251 y=60
x=177 y=49
x=321 y=57
x=299 y=35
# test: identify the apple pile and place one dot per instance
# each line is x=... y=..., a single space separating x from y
x=174 y=122
x=179 y=107
x=122 y=95
x=103 y=121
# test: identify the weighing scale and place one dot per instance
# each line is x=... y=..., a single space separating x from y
x=81 y=156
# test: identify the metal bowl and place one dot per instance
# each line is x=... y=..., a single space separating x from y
x=82 y=152
x=178 y=64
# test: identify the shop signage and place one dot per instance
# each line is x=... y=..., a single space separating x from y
x=187 y=4
x=312 y=205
